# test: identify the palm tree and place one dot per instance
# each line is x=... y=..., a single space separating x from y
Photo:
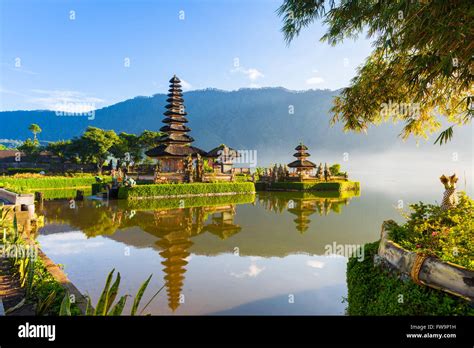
x=35 y=129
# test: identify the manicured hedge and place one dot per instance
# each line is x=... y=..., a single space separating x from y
x=12 y=171
x=64 y=193
x=374 y=291
x=22 y=185
x=145 y=191
x=316 y=186
x=188 y=202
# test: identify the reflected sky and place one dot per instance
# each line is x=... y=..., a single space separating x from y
x=273 y=253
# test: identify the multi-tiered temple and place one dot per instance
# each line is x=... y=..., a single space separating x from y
x=175 y=145
x=177 y=159
x=302 y=165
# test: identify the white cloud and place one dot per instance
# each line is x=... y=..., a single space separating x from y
x=68 y=243
x=314 y=80
x=252 y=73
x=186 y=85
x=315 y=264
x=253 y=271
x=64 y=100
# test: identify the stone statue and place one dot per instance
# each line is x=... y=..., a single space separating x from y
x=319 y=172
x=281 y=173
x=327 y=172
x=188 y=169
x=450 y=198
x=275 y=173
x=199 y=168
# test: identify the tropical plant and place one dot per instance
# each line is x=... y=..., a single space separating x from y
x=105 y=306
x=127 y=149
x=35 y=129
x=335 y=169
x=94 y=146
x=417 y=70
x=447 y=234
x=30 y=148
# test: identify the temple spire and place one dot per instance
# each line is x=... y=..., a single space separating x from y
x=175 y=116
x=302 y=164
x=175 y=143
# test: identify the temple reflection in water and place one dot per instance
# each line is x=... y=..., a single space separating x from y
x=177 y=229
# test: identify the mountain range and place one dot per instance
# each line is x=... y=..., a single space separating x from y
x=269 y=120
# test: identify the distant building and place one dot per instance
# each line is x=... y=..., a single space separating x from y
x=302 y=165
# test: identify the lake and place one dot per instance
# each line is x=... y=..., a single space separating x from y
x=272 y=253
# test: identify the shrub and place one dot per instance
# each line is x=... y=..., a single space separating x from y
x=12 y=171
x=374 y=291
x=22 y=185
x=144 y=191
x=335 y=169
x=64 y=193
x=446 y=234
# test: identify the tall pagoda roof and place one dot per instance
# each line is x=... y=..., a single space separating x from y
x=175 y=143
x=300 y=147
x=174 y=80
x=174 y=150
x=175 y=137
x=301 y=156
x=302 y=164
x=175 y=127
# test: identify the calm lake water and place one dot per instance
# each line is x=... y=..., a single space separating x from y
x=273 y=253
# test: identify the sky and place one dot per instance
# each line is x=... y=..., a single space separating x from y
x=97 y=53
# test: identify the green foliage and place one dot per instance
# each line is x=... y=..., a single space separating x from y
x=139 y=295
x=94 y=144
x=13 y=171
x=128 y=148
x=426 y=66
x=337 y=186
x=446 y=234
x=98 y=187
x=149 y=139
x=30 y=148
x=63 y=193
x=105 y=306
x=23 y=185
x=63 y=149
x=144 y=191
x=335 y=169
x=242 y=177
x=373 y=291
x=207 y=168
x=35 y=129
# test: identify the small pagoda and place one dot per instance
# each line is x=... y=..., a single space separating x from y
x=175 y=146
x=302 y=166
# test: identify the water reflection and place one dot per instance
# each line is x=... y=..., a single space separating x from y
x=202 y=227
x=305 y=204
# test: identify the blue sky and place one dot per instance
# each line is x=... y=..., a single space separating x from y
x=50 y=55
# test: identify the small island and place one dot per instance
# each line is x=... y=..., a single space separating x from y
x=304 y=175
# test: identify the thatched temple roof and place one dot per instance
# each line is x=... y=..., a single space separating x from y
x=301 y=156
x=175 y=143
